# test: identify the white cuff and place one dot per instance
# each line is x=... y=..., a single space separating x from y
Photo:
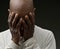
x=30 y=44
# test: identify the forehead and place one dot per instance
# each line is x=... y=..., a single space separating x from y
x=21 y=7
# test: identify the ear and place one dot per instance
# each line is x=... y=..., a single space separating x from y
x=9 y=10
x=34 y=9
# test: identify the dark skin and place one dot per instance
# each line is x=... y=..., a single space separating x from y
x=22 y=7
x=21 y=26
x=27 y=25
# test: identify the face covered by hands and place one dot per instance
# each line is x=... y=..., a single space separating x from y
x=21 y=27
x=21 y=20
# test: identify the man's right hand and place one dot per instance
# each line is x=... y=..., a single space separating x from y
x=15 y=22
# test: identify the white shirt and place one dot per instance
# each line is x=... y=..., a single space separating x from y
x=42 y=39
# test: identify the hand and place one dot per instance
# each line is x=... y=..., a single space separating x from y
x=25 y=27
x=28 y=26
x=15 y=24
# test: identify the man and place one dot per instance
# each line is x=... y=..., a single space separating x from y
x=22 y=32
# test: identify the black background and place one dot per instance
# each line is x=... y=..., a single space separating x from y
x=47 y=16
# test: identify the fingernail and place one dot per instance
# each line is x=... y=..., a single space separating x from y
x=20 y=19
x=12 y=13
x=30 y=13
x=16 y=14
x=26 y=16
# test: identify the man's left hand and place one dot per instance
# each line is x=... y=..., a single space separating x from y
x=28 y=26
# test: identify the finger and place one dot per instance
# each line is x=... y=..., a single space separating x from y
x=31 y=17
x=11 y=17
x=25 y=27
x=19 y=32
x=18 y=26
x=9 y=10
x=27 y=20
x=19 y=23
x=34 y=9
x=15 y=20
x=24 y=24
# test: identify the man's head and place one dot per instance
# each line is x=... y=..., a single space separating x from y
x=21 y=18
x=21 y=7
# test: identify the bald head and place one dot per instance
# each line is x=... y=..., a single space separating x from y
x=21 y=7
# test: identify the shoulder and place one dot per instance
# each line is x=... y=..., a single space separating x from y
x=3 y=32
x=42 y=32
x=43 y=36
x=6 y=35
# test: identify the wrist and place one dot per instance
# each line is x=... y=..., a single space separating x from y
x=16 y=41
x=26 y=38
